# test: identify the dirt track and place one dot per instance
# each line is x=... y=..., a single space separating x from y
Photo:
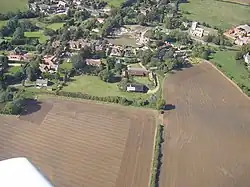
x=83 y=144
x=208 y=133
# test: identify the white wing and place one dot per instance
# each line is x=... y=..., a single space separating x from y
x=19 y=172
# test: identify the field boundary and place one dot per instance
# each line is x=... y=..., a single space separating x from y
x=231 y=81
x=157 y=155
x=45 y=96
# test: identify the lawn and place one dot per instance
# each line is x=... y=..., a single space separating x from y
x=123 y=40
x=135 y=65
x=145 y=81
x=2 y=23
x=216 y=13
x=94 y=86
x=37 y=34
x=66 y=65
x=13 y=5
x=114 y=3
x=55 y=26
x=13 y=69
x=230 y=65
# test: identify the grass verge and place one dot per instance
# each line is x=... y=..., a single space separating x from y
x=233 y=69
x=156 y=165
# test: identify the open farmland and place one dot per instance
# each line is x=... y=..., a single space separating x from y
x=13 y=5
x=221 y=14
x=81 y=143
x=208 y=133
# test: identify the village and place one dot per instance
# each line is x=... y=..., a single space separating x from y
x=127 y=58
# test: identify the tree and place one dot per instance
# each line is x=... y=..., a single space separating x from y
x=141 y=19
x=78 y=62
x=118 y=67
x=18 y=34
x=106 y=75
x=49 y=32
x=160 y=104
x=111 y=61
x=4 y=61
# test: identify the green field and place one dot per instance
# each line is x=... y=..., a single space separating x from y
x=66 y=65
x=55 y=26
x=114 y=3
x=94 y=86
x=216 y=13
x=2 y=23
x=13 y=69
x=37 y=34
x=227 y=60
x=13 y=5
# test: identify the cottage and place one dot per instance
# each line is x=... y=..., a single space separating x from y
x=116 y=51
x=242 y=41
x=136 y=88
x=41 y=83
x=78 y=44
x=93 y=62
x=50 y=64
x=137 y=72
x=247 y=58
x=244 y=29
x=61 y=4
x=18 y=58
x=100 y=20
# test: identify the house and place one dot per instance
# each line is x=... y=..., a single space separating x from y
x=61 y=4
x=100 y=20
x=19 y=58
x=197 y=32
x=244 y=29
x=240 y=34
x=137 y=72
x=136 y=88
x=194 y=25
x=49 y=63
x=242 y=41
x=129 y=52
x=247 y=58
x=78 y=44
x=116 y=51
x=93 y=62
x=41 y=83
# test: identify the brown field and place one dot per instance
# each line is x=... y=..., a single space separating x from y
x=83 y=144
x=208 y=133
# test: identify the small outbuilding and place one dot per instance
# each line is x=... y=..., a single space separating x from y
x=41 y=83
x=136 y=88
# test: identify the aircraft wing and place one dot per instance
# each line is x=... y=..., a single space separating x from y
x=19 y=172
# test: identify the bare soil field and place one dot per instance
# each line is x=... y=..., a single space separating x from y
x=82 y=143
x=207 y=136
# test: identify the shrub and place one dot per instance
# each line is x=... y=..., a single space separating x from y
x=157 y=157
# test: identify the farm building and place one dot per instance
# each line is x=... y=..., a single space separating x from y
x=93 y=62
x=247 y=59
x=41 y=83
x=136 y=88
x=137 y=72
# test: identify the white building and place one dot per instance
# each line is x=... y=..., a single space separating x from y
x=247 y=59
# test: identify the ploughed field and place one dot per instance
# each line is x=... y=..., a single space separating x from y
x=207 y=138
x=81 y=143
